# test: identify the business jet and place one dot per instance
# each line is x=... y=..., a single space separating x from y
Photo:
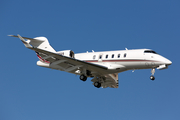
x=102 y=67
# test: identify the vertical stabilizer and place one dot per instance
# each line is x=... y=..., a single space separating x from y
x=42 y=43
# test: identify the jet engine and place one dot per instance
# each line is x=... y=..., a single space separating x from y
x=68 y=53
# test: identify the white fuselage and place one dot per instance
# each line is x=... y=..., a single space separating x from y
x=129 y=59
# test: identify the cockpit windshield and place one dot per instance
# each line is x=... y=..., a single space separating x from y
x=150 y=51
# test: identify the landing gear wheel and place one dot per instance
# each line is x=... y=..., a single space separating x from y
x=152 y=77
x=83 y=77
x=97 y=84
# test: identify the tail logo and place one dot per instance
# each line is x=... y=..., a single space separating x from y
x=40 y=58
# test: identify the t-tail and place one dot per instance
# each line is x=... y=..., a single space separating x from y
x=38 y=42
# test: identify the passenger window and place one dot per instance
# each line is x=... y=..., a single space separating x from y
x=112 y=55
x=106 y=56
x=94 y=57
x=125 y=55
x=118 y=55
x=100 y=56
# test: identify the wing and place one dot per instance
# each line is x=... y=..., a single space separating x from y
x=75 y=66
x=68 y=64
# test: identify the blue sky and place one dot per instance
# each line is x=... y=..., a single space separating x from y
x=29 y=92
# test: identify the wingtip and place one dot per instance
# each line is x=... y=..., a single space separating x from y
x=12 y=35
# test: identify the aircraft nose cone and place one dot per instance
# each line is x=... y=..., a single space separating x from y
x=168 y=62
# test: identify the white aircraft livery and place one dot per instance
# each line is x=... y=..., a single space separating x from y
x=102 y=67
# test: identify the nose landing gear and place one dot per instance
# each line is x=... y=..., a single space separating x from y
x=152 y=74
x=152 y=77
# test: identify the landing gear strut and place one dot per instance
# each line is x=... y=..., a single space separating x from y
x=152 y=75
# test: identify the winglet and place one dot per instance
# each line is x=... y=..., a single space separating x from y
x=26 y=43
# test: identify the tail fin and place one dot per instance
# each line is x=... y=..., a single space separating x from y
x=38 y=42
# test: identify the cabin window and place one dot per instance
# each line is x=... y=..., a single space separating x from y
x=125 y=55
x=112 y=55
x=106 y=56
x=100 y=57
x=118 y=55
x=94 y=57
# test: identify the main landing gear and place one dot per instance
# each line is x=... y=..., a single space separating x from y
x=83 y=77
x=152 y=74
x=97 y=80
x=97 y=84
x=85 y=74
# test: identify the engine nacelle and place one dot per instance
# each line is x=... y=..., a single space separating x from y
x=68 y=53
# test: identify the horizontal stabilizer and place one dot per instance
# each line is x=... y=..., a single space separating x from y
x=26 y=43
x=33 y=39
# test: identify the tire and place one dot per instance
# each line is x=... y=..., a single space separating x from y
x=152 y=78
x=97 y=84
x=83 y=77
